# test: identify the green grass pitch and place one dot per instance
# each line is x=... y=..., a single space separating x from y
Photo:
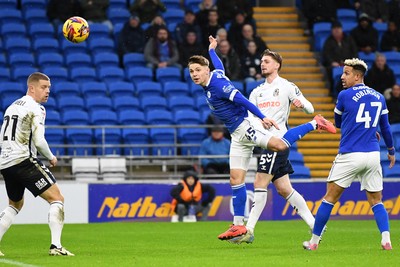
x=277 y=243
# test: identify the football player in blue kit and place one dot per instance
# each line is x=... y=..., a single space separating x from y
x=231 y=107
x=359 y=111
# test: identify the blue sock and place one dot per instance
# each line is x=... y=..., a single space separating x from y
x=239 y=196
x=322 y=217
x=296 y=133
x=381 y=217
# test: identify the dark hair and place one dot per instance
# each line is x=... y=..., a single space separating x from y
x=275 y=55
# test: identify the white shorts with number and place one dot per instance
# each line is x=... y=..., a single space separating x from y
x=249 y=134
x=362 y=166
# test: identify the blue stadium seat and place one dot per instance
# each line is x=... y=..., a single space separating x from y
x=168 y=74
x=17 y=60
x=172 y=4
x=239 y=85
x=63 y=89
x=46 y=45
x=396 y=135
x=186 y=75
x=67 y=103
x=91 y=89
x=11 y=16
x=346 y=15
x=392 y=57
x=55 y=137
x=139 y=74
x=187 y=116
x=17 y=45
x=56 y=74
x=131 y=117
x=76 y=60
x=75 y=117
x=35 y=15
x=300 y=171
x=336 y=74
x=51 y=104
x=368 y=58
x=103 y=117
x=193 y=5
x=13 y=30
x=116 y=31
x=159 y=117
x=33 y=4
x=111 y=74
x=138 y=138
x=172 y=15
x=3 y=61
x=120 y=88
x=322 y=27
x=181 y=102
x=99 y=30
x=391 y=173
x=133 y=60
x=69 y=47
x=83 y=74
x=196 y=90
x=106 y=59
x=82 y=139
x=251 y=85
x=101 y=45
x=153 y=103
x=319 y=41
x=118 y=15
x=201 y=103
x=50 y=59
x=348 y=26
x=112 y=140
x=175 y=89
x=8 y=4
x=191 y=138
x=21 y=74
x=121 y=4
x=53 y=117
x=41 y=30
x=296 y=158
x=14 y=89
x=96 y=103
x=123 y=102
x=147 y=88
x=164 y=138
x=5 y=74
x=7 y=101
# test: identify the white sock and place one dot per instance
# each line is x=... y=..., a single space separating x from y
x=299 y=204
x=314 y=123
x=315 y=239
x=385 y=237
x=6 y=219
x=238 y=220
x=56 y=222
x=260 y=200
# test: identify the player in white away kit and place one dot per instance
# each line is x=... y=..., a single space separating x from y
x=359 y=111
x=21 y=136
x=274 y=98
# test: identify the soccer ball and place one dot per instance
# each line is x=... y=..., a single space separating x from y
x=76 y=29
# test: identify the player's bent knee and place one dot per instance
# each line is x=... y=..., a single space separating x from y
x=276 y=144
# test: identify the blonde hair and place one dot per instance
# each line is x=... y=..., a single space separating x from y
x=36 y=76
x=357 y=64
x=275 y=55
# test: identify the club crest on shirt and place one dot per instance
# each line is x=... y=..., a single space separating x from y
x=276 y=92
x=228 y=88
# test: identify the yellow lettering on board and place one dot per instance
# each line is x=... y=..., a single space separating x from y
x=109 y=202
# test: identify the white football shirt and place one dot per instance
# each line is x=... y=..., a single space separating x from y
x=22 y=132
x=274 y=100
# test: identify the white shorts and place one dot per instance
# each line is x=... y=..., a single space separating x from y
x=249 y=134
x=363 y=166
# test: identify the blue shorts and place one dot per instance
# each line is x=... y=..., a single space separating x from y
x=275 y=163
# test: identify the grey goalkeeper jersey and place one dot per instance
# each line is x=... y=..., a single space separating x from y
x=22 y=132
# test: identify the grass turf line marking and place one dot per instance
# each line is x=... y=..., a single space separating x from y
x=17 y=263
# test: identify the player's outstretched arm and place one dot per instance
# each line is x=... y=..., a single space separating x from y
x=213 y=55
x=213 y=42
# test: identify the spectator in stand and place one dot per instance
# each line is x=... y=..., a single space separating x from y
x=235 y=30
x=188 y=24
x=190 y=193
x=365 y=35
x=211 y=27
x=337 y=48
x=230 y=60
x=190 y=47
x=394 y=11
x=59 y=11
x=251 y=64
x=212 y=120
x=161 y=51
x=228 y=9
x=391 y=38
x=131 y=38
x=393 y=104
x=380 y=76
x=155 y=24
x=318 y=11
x=202 y=15
x=247 y=36
x=147 y=9
x=215 y=145
x=377 y=10
x=95 y=11
x=222 y=35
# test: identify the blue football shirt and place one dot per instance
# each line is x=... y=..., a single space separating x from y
x=361 y=108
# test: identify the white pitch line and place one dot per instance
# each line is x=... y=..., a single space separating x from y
x=17 y=263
